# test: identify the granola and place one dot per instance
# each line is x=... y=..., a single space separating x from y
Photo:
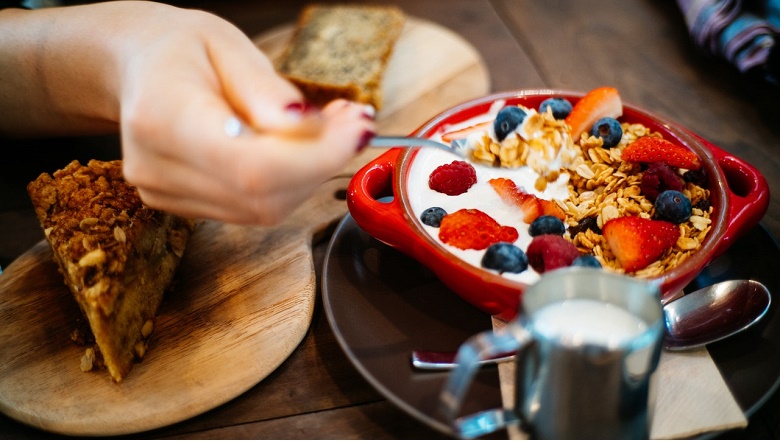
x=603 y=187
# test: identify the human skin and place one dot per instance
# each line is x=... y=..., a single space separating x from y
x=167 y=80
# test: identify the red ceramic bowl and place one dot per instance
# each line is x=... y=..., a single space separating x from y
x=739 y=193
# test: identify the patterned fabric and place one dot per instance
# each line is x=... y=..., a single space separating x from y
x=745 y=33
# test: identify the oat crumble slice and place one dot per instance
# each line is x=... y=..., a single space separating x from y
x=116 y=256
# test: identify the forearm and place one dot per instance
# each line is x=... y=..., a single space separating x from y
x=60 y=68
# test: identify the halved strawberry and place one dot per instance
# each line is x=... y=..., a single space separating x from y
x=464 y=132
x=552 y=209
x=531 y=206
x=469 y=228
x=638 y=242
x=596 y=104
x=653 y=149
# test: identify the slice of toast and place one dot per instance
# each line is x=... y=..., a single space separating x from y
x=117 y=256
x=341 y=51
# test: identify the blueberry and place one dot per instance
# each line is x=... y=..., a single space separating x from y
x=432 y=216
x=560 y=106
x=587 y=260
x=505 y=258
x=507 y=120
x=546 y=225
x=672 y=206
x=609 y=129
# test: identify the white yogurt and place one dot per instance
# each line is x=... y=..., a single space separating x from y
x=585 y=321
x=480 y=196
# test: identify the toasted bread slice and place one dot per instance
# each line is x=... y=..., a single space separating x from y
x=341 y=51
x=117 y=256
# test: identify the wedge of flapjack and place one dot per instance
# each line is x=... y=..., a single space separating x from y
x=117 y=256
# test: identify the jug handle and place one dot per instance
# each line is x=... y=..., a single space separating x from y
x=481 y=346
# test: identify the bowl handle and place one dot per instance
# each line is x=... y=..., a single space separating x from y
x=383 y=220
x=748 y=195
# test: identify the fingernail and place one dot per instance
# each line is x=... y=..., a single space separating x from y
x=369 y=112
x=297 y=110
x=365 y=139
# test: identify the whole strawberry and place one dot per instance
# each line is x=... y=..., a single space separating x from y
x=547 y=252
x=638 y=242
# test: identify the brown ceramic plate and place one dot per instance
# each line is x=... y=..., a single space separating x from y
x=382 y=304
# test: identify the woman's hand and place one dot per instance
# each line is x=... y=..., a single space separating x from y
x=174 y=81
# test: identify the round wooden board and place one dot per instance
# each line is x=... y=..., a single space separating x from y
x=243 y=301
x=244 y=298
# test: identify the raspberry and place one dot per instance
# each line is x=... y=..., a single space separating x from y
x=453 y=179
x=548 y=252
x=657 y=178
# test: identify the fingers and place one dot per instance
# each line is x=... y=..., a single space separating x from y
x=259 y=95
x=179 y=153
x=279 y=163
x=197 y=169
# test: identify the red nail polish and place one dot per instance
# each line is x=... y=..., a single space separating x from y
x=299 y=108
x=365 y=139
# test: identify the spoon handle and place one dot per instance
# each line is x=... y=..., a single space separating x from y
x=437 y=360
x=405 y=141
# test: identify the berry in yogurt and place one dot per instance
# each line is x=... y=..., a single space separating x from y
x=576 y=188
x=531 y=206
x=453 y=179
x=548 y=252
x=473 y=229
x=505 y=257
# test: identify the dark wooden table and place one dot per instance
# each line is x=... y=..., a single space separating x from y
x=641 y=47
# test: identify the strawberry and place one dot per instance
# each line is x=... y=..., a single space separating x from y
x=637 y=242
x=473 y=229
x=463 y=133
x=596 y=104
x=550 y=208
x=653 y=149
x=531 y=206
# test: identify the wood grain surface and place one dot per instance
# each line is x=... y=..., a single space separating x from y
x=244 y=298
x=430 y=70
x=242 y=303
x=640 y=46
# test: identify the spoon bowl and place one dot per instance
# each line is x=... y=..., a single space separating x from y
x=696 y=319
x=713 y=313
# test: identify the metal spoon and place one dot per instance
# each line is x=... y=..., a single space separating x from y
x=457 y=147
x=704 y=316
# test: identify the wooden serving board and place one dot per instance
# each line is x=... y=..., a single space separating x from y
x=244 y=297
